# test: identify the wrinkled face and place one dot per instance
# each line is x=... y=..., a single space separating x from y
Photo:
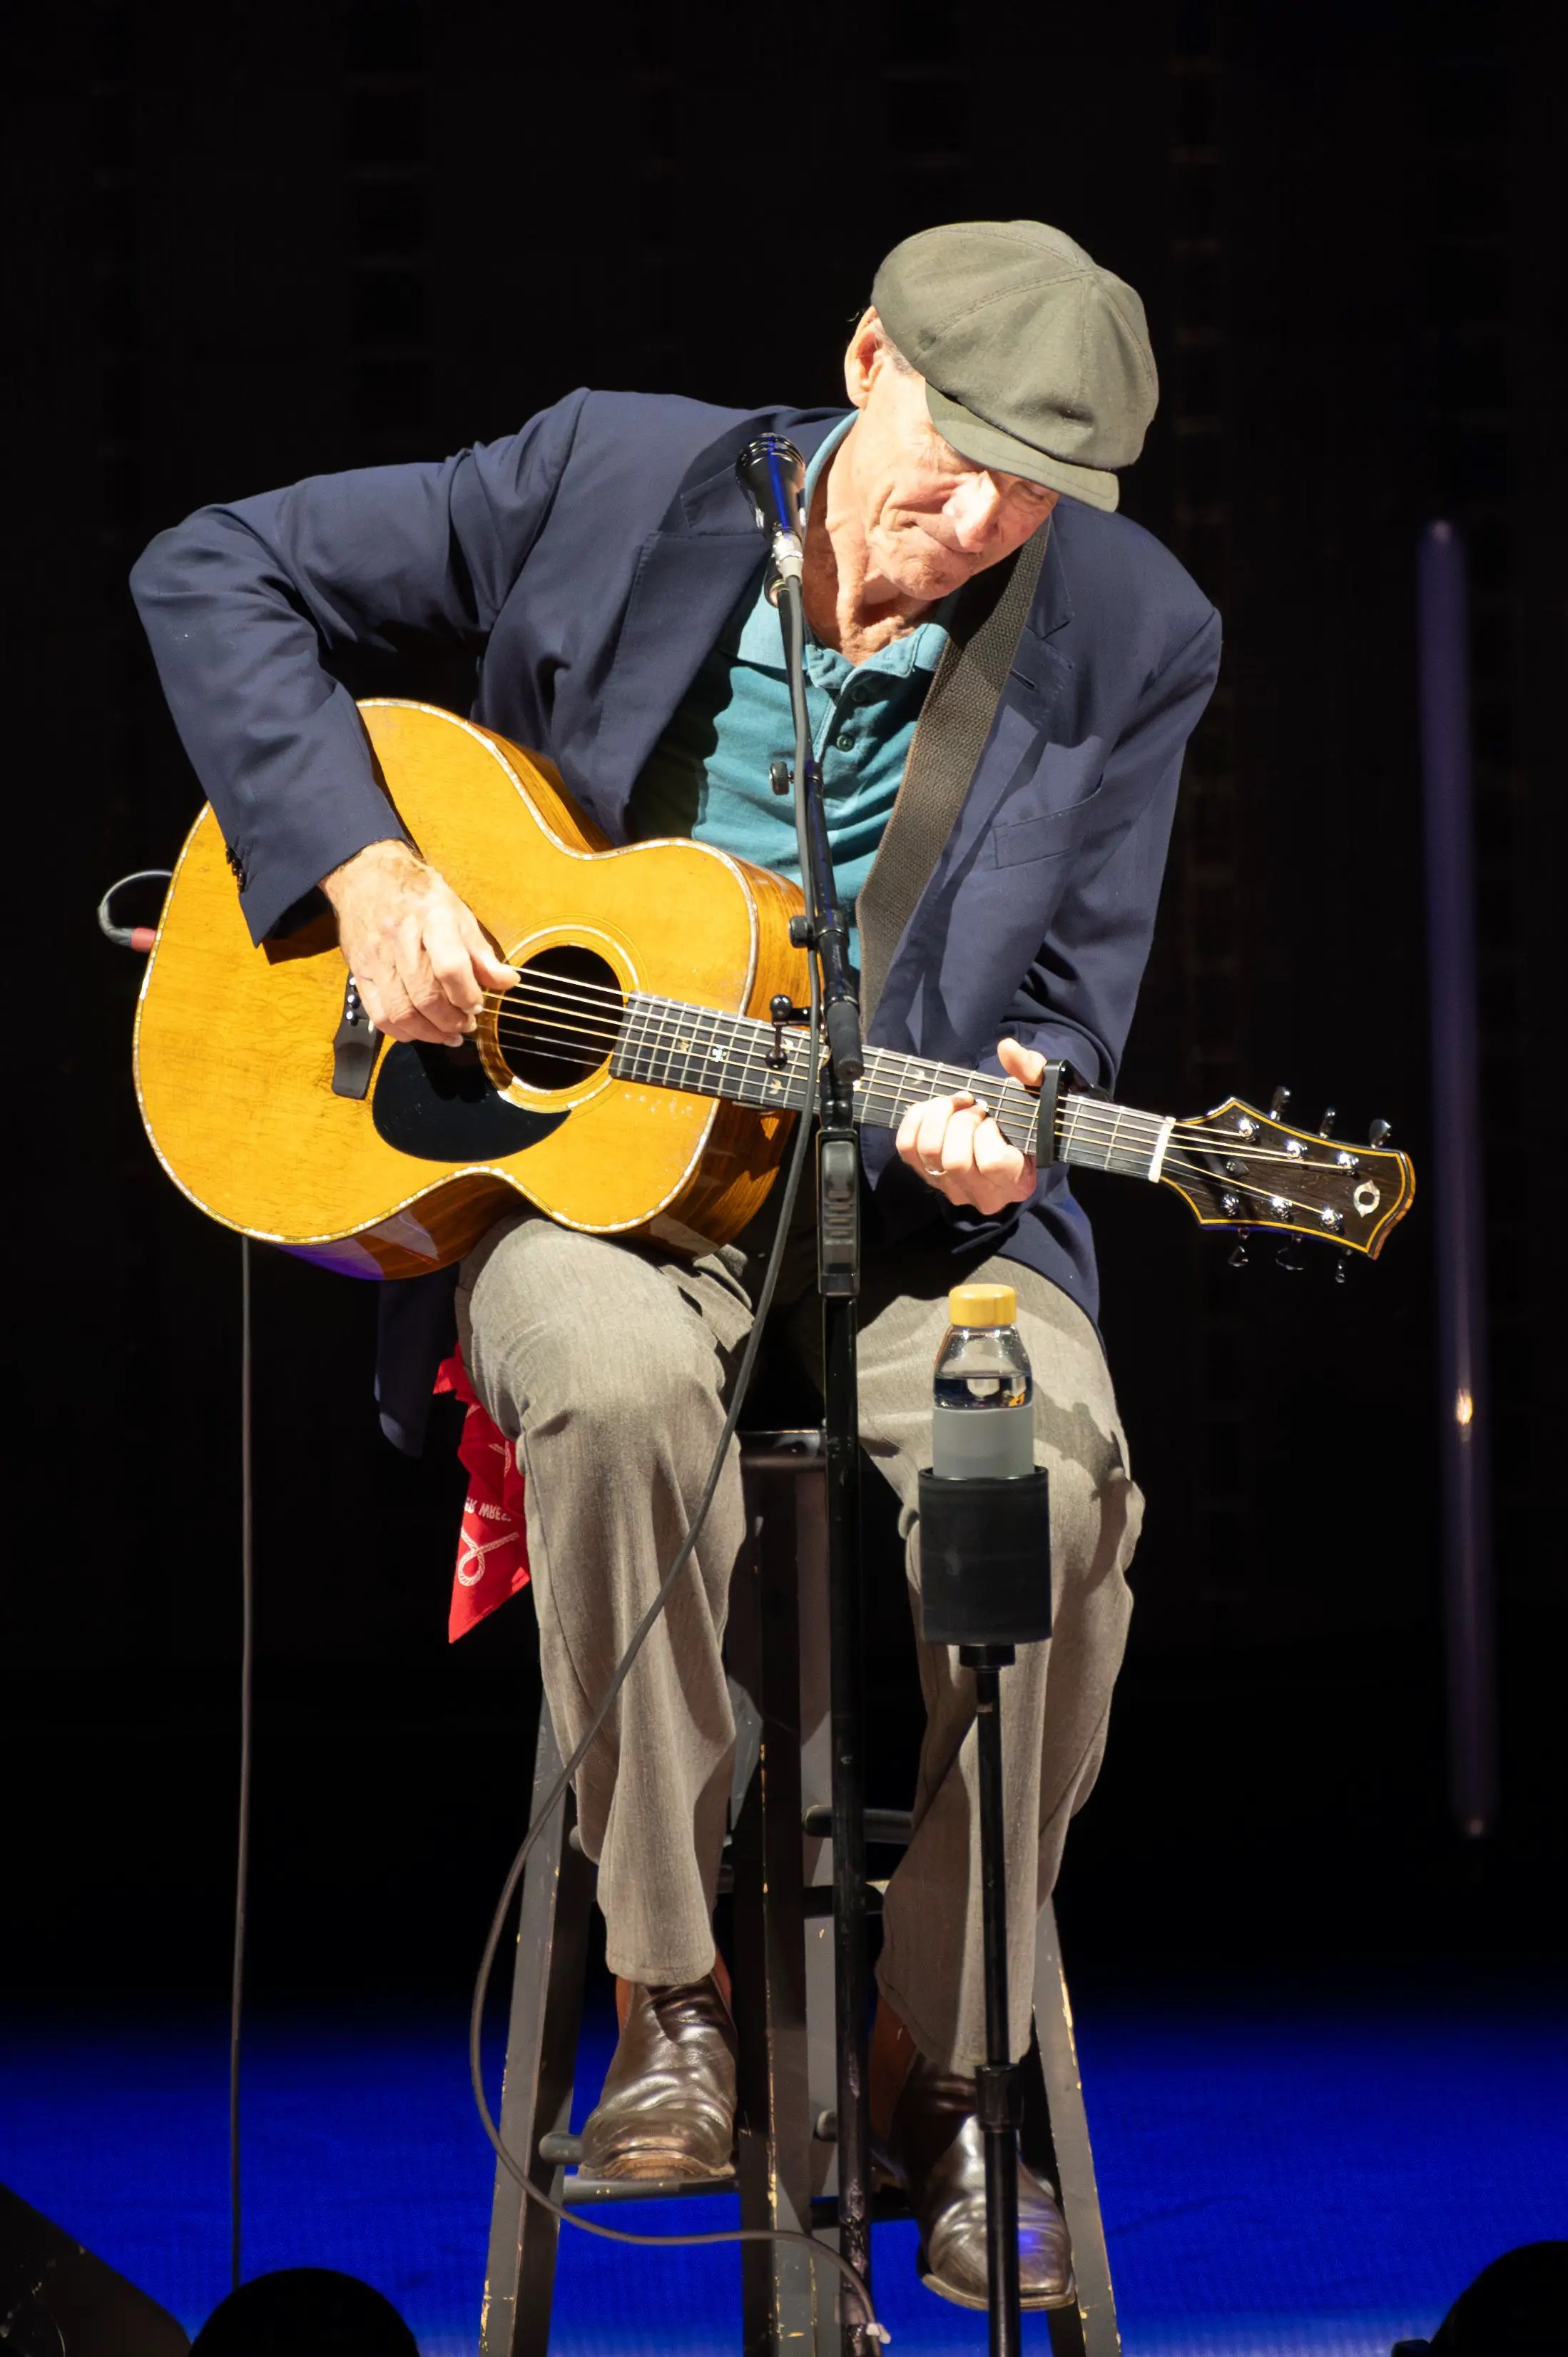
x=930 y=519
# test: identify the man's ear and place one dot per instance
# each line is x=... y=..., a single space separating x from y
x=866 y=354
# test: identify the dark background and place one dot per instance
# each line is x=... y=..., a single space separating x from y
x=252 y=244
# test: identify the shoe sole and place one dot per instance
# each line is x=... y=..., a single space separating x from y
x=668 y=2167
x=1030 y=2303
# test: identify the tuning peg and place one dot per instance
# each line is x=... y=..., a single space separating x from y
x=1238 y=1259
x=1326 y=1126
x=1341 y=1264
x=1282 y=1258
x=1380 y=1132
x=1278 y=1103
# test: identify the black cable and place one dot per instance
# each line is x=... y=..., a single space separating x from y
x=515 y=2168
x=129 y=937
x=819 y=2250
x=247 y=1681
x=792 y=629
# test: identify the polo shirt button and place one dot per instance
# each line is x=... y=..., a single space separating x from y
x=844 y=744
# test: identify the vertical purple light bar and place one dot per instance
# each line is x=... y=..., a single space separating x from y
x=1443 y=631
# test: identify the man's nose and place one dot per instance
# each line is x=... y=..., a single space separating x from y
x=973 y=510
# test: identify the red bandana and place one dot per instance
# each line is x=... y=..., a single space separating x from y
x=492 y=1549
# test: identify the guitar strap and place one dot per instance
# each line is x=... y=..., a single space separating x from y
x=950 y=737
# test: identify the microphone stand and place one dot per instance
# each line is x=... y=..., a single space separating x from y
x=981 y=1541
x=822 y=932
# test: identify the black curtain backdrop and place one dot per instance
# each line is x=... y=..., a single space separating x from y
x=249 y=245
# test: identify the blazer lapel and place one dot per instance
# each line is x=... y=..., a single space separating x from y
x=690 y=574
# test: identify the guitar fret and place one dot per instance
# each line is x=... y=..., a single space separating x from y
x=686 y=1043
x=1134 y=1144
x=1014 y=1119
x=656 y=1047
x=623 y=1062
x=1114 y=1128
x=687 y=1067
x=754 y=1040
x=725 y=1037
x=1067 y=1148
x=643 y=1068
x=681 y=1034
x=709 y=1066
x=640 y=1049
x=663 y=1043
x=705 y=1051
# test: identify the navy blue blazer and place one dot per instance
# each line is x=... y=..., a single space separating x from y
x=585 y=565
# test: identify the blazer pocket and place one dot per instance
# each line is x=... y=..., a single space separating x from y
x=1039 y=838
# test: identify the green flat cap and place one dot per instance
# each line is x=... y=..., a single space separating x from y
x=1036 y=360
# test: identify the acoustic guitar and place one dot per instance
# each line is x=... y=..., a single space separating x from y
x=639 y=1080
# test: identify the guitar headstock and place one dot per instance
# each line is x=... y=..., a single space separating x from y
x=1241 y=1169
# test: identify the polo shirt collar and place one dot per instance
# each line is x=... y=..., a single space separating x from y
x=917 y=649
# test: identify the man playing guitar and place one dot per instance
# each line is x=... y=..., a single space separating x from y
x=602 y=568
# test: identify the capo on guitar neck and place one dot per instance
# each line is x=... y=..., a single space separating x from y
x=1057 y=1080
x=781 y=1012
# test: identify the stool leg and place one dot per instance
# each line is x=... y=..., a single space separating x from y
x=1089 y=2328
x=781 y=2289
x=541 y=2055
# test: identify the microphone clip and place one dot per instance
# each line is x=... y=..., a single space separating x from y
x=773 y=475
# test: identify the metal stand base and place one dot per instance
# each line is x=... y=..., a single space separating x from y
x=996 y=2083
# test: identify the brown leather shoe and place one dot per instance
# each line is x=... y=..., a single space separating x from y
x=668 y=2104
x=936 y=2150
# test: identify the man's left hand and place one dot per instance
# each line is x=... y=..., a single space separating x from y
x=955 y=1144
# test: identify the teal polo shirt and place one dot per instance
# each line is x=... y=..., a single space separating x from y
x=707 y=776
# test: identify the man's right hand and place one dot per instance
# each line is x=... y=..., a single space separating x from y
x=415 y=950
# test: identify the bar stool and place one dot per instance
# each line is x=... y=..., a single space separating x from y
x=779 y=1867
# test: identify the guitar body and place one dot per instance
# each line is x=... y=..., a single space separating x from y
x=234 y=1053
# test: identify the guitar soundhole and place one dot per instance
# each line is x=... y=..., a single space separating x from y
x=559 y=1024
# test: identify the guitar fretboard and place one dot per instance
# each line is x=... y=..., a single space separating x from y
x=669 y=1045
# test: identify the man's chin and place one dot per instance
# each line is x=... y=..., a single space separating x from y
x=925 y=580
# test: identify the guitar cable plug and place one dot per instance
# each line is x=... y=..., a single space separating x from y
x=139 y=938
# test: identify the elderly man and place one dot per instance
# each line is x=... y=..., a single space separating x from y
x=603 y=568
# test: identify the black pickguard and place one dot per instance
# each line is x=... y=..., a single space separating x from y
x=438 y=1103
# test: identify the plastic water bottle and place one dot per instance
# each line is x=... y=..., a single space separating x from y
x=982 y=1416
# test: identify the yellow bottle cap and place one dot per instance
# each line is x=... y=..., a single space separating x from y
x=983 y=1305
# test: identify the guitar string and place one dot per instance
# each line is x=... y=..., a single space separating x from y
x=883 y=1102
x=1130 y=1169
x=1092 y=1119
x=1133 y=1167
x=1124 y=1160
x=660 y=1031
x=566 y=990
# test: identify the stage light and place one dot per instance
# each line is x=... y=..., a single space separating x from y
x=305 y=2312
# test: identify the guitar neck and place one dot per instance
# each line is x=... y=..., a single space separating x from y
x=668 y=1045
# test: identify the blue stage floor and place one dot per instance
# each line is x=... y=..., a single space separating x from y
x=1310 y=2172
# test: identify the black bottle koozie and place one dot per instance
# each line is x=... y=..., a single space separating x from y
x=985 y=1560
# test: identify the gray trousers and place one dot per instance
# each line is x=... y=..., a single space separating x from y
x=609 y=1364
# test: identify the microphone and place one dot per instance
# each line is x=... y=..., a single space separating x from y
x=772 y=474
